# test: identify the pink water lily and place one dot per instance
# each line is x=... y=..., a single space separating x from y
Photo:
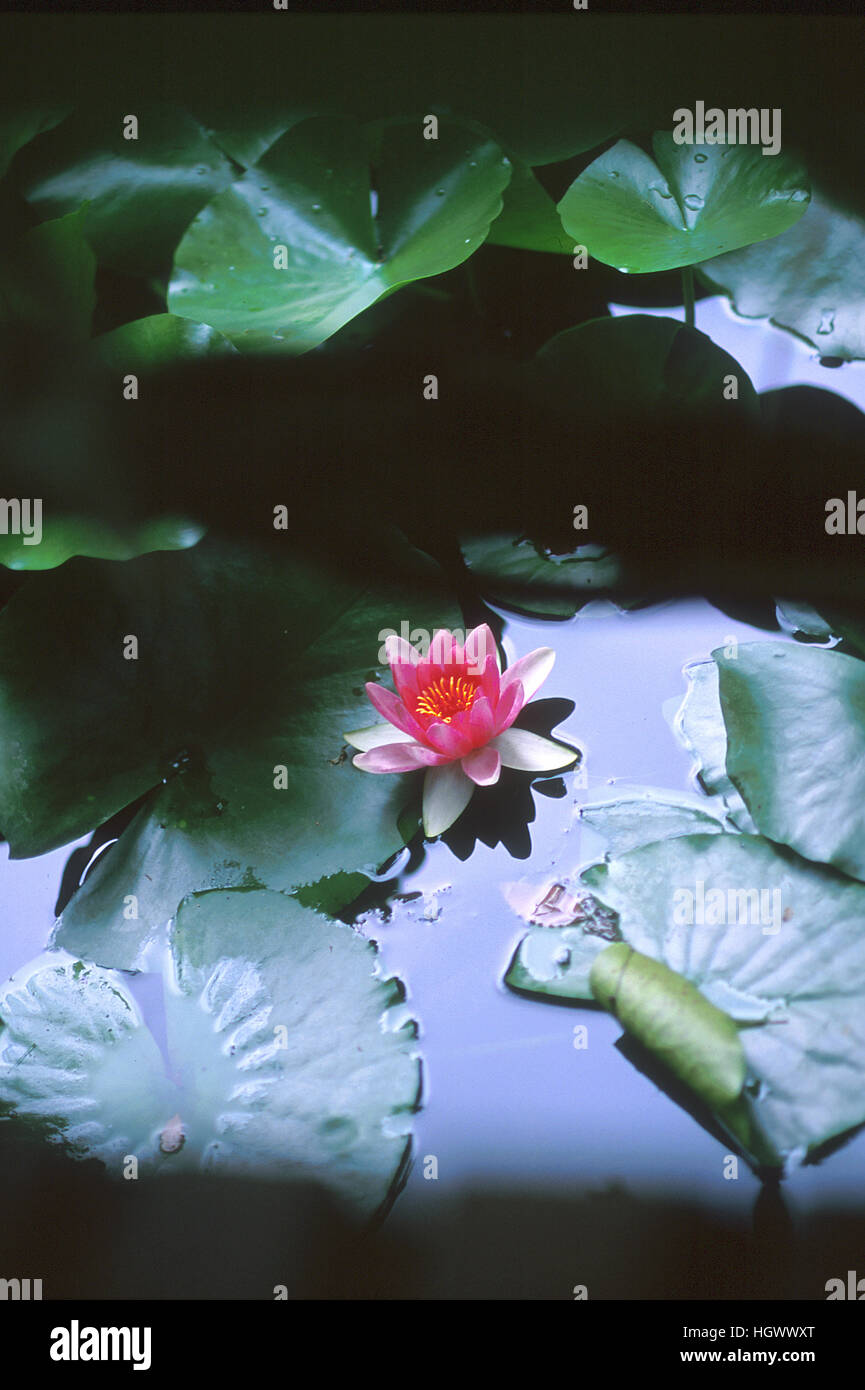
x=452 y=715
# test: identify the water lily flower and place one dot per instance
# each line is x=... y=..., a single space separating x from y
x=452 y=715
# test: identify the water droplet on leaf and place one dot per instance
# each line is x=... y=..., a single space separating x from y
x=700 y=158
x=693 y=201
x=827 y=321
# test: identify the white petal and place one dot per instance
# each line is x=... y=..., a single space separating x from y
x=375 y=736
x=530 y=753
x=531 y=670
x=446 y=794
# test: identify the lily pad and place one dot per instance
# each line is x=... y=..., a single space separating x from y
x=699 y=726
x=294 y=249
x=642 y=364
x=286 y=1054
x=795 y=721
x=513 y=572
x=21 y=125
x=66 y=536
x=141 y=192
x=682 y=207
x=157 y=341
x=788 y=965
x=254 y=667
x=46 y=281
x=810 y=280
x=529 y=220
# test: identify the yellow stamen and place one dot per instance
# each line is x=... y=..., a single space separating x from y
x=447 y=696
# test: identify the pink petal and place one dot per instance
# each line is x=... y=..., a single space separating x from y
x=509 y=706
x=531 y=671
x=398 y=757
x=480 y=721
x=491 y=681
x=399 y=652
x=393 y=709
x=405 y=680
x=443 y=650
x=449 y=739
x=483 y=766
x=480 y=647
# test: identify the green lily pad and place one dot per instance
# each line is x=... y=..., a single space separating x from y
x=66 y=536
x=682 y=207
x=286 y=1054
x=555 y=960
x=810 y=280
x=786 y=960
x=252 y=667
x=293 y=250
x=529 y=220
x=512 y=571
x=699 y=726
x=157 y=341
x=643 y=364
x=46 y=281
x=795 y=721
x=21 y=125
x=141 y=193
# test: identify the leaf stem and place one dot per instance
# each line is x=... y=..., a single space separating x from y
x=688 y=294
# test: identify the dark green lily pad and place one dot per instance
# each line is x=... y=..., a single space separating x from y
x=293 y=250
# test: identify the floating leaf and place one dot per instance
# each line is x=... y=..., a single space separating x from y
x=699 y=726
x=810 y=280
x=141 y=193
x=795 y=721
x=529 y=220
x=683 y=206
x=157 y=341
x=774 y=941
x=46 y=281
x=293 y=250
x=669 y=1015
x=285 y=1057
x=251 y=668
x=642 y=364
x=631 y=821
x=66 y=536
x=512 y=571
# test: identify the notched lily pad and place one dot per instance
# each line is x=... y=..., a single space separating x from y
x=682 y=207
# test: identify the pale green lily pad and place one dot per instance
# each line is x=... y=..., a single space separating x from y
x=796 y=975
x=682 y=207
x=288 y=1055
x=810 y=280
x=310 y=195
x=795 y=722
x=628 y=822
x=699 y=726
x=555 y=958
